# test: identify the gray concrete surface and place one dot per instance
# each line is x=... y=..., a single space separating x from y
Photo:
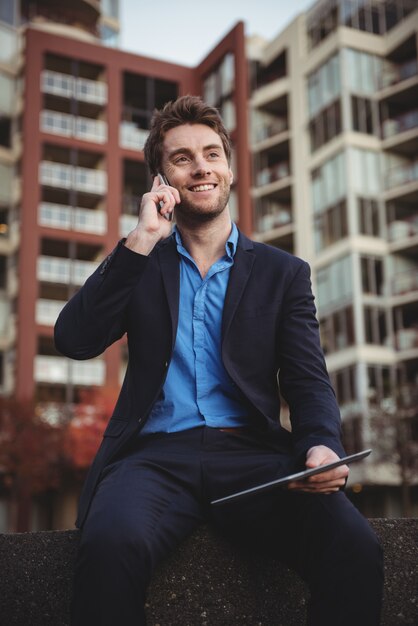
x=205 y=582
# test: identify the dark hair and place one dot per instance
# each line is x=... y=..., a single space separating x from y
x=184 y=110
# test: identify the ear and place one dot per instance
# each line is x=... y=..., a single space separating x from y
x=231 y=177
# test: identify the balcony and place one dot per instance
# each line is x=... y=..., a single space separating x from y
x=401 y=175
x=267 y=129
x=47 y=311
x=132 y=137
x=406 y=339
x=394 y=73
x=273 y=173
x=271 y=216
x=59 y=370
x=71 y=126
x=7 y=323
x=400 y=124
x=64 y=271
x=403 y=235
x=404 y=282
x=68 y=218
x=66 y=177
x=67 y=86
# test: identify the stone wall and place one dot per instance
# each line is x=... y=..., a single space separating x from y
x=205 y=582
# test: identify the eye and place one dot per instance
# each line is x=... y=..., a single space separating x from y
x=181 y=159
x=213 y=155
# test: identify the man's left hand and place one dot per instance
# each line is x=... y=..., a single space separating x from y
x=325 y=482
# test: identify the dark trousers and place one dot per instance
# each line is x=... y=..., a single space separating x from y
x=154 y=496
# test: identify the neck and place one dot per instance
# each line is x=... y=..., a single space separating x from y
x=206 y=242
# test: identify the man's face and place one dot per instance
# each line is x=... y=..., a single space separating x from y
x=194 y=162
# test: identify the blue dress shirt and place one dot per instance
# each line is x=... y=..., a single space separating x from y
x=198 y=391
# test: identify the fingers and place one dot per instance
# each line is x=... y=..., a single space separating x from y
x=160 y=187
x=157 y=203
x=324 y=482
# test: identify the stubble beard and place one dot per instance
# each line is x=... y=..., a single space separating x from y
x=195 y=213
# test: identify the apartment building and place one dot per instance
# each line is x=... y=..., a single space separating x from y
x=324 y=123
x=334 y=136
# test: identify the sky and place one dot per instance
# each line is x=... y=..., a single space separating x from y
x=184 y=31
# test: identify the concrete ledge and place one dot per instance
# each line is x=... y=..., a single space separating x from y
x=204 y=583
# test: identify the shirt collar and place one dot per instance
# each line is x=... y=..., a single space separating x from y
x=230 y=245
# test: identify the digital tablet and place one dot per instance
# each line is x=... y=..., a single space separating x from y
x=285 y=480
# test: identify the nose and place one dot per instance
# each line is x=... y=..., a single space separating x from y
x=201 y=167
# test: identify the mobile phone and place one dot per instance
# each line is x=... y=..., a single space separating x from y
x=164 y=181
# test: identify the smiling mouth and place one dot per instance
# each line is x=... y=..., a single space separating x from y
x=207 y=187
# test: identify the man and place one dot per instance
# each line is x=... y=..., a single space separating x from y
x=212 y=319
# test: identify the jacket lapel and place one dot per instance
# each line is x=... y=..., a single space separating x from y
x=170 y=270
x=240 y=273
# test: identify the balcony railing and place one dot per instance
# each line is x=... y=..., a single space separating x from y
x=403 y=229
x=47 y=311
x=64 y=271
x=273 y=173
x=67 y=86
x=72 y=126
x=404 y=282
x=401 y=175
x=265 y=130
x=406 y=339
x=400 y=124
x=269 y=219
x=393 y=74
x=68 y=218
x=67 y=177
x=132 y=137
x=59 y=370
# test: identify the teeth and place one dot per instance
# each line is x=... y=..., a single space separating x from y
x=203 y=188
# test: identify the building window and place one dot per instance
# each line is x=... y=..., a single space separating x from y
x=335 y=285
x=366 y=178
x=375 y=325
x=363 y=72
x=379 y=383
x=352 y=428
x=218 y=88
x=372 y=275
x=344 y=383
x=325 y=126
x=324 y=89
x=337 y=330
x=369 y=222
x=331 y=225
x=329 y=202
x=361 y=115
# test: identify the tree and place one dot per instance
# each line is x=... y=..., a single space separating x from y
x=85 y=430
x=30 y=455
x=39 y=454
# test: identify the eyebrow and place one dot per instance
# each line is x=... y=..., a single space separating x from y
x=187 y=151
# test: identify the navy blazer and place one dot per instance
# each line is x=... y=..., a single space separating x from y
x=269 y=336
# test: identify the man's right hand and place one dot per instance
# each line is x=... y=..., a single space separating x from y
x=152 y=224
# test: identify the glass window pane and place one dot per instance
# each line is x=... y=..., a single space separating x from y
x=7 y=88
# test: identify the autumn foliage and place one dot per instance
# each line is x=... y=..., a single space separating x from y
x=84 y=432
x=30 y=448
x=39 y=455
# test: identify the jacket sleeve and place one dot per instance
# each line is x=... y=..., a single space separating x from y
x=303 y=377
x=95 y=316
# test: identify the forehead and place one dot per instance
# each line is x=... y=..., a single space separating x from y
x=193 y=137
